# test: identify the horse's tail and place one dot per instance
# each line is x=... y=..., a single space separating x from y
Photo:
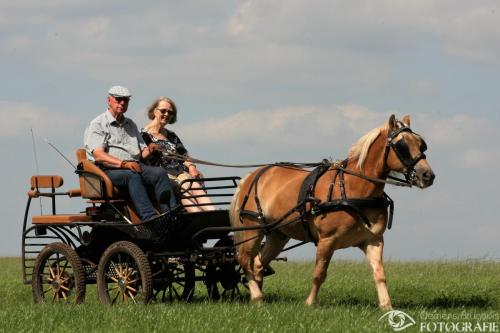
x=234 y=210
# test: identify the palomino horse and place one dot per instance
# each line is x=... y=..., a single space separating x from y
x=266 y=199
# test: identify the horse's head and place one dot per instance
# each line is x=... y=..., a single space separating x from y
x=405 y=153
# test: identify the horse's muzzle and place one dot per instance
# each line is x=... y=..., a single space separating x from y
x=424 y=177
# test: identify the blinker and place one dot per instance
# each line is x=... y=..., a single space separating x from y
x=403 y=152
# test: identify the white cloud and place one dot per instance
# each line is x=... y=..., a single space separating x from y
x=382 y=29
x=463 y=141
x=297 y=45
x=294 y=126
x=384 y=26
x=460 y=130
x=19 y=117
x=472 y=32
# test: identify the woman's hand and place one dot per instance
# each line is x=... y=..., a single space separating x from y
x=151 y=149
x=154 y=147
x=193 y=171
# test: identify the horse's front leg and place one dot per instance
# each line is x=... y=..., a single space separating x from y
x=324 y=254
x=374 y=250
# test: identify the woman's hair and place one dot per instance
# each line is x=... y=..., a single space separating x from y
x=154 y=105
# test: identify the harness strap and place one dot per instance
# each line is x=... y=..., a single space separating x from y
x=317 y=207
x=353 y=204
x=306 y=195
x=307 y=187
x=301 y=208
x=258 y=215
x=391 y=210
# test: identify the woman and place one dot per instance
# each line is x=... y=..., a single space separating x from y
x=163 y=112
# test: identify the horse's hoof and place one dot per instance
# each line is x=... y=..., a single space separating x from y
x=257 y=301
x=311 y=303
x=387 y=307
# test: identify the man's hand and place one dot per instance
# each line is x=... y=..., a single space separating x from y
x=131 y=165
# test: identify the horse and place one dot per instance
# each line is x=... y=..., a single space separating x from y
x=346 y=206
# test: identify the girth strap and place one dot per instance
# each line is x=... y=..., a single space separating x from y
x=356 y=205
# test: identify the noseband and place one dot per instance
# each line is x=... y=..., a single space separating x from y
x=402 y=151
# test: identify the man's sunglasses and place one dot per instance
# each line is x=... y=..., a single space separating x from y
x=120 y=98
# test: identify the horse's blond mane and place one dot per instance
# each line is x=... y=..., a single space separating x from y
x=360 y=149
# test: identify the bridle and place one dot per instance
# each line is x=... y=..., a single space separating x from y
x=402 y=151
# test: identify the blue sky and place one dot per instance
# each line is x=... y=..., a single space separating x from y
x=261 y=81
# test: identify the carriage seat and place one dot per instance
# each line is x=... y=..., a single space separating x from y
x=45 y=186
x=95 y=183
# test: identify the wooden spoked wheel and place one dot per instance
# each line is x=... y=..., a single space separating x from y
x=58 y=275
x=124 y=275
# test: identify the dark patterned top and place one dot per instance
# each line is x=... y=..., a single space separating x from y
x=172 y=145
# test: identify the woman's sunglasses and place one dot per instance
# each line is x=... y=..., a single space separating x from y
x=166 y=111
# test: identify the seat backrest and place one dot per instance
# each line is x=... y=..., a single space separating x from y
x=52 y=182
x=94 y=183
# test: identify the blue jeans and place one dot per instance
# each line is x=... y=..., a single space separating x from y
x=137 y=183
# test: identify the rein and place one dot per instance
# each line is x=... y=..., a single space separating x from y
x=180 y=157
x=392 y=181
x=316 y=207
x=335 y=165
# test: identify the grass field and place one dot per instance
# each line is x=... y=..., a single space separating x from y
x=348 y=302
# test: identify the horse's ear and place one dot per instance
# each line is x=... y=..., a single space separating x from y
x=406 y=120
x=392 y=123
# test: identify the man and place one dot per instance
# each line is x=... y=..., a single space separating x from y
x=114 y=143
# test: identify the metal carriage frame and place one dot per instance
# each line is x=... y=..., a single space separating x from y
x=138 y=262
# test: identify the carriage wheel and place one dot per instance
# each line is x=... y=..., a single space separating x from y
x=58 y=276
x=124 y=275
x=176 y=282
x=225 y=280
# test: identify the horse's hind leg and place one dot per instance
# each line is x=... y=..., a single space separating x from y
x=324 y=254
x=272 y=247
x=374 y=250
x=247 y=253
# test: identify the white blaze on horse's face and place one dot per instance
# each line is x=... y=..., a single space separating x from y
x=424 y=176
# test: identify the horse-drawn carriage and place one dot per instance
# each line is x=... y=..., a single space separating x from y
x=129 y=260
x=336 y=205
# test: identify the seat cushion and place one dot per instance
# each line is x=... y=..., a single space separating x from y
x=60 y=219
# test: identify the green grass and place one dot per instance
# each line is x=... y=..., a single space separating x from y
x=347 y=302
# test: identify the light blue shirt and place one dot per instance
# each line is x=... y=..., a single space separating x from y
x=119 y=139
